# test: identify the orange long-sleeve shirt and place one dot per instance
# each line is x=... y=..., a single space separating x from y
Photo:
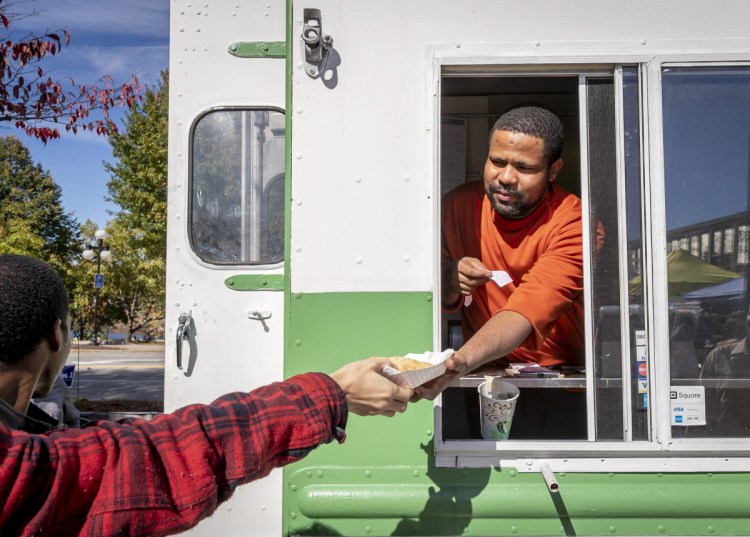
x=543 y=255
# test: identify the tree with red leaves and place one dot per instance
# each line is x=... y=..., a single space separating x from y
x=40 y=105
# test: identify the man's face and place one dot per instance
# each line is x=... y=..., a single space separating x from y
x=516 y=174
x=65 y=342
x=55 y=361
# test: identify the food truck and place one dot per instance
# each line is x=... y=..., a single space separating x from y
x=310 y=144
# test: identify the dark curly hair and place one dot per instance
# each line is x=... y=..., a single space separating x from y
x=32 y=299
x=534 y=121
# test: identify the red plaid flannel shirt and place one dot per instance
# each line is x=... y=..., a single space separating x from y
x=160 y=477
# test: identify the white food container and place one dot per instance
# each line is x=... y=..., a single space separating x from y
x=417 y=377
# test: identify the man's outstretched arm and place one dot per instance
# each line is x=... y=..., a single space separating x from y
x=504 y=332
x=161 y=477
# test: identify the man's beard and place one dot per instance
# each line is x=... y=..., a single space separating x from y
x=519 y=207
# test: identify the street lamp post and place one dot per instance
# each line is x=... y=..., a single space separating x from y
x=97 y=248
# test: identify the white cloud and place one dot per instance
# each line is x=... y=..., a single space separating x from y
x=143 y=18
x=108 y=37
x=145 y=61
x=83 y=136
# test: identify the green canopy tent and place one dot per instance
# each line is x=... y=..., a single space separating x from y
x=686 y=273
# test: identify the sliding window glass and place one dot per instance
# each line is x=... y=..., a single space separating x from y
x=614 y=170
x=706 y=123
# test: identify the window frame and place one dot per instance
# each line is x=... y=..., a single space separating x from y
x=190 y=184
x=662 y=452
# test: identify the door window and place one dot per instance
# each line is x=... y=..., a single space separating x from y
x=237 y=187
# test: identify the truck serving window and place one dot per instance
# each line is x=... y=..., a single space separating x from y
x=666 y=354
x=237 y=187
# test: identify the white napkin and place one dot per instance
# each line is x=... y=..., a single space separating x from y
x=431 y=357
x=417 y=377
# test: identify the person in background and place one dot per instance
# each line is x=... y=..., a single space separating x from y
x=683 y=359
x=522 y=228
x=139 y=477
x=59 y=404
x=727 y=401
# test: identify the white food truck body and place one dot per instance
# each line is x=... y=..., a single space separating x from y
x=309 y=147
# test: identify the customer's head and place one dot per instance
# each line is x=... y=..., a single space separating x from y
x=33 y=311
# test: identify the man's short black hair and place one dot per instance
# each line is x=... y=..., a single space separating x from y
x=32 y=299
x=534 y=121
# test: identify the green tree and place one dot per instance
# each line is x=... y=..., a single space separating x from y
x=133 y=292
x=138 y=185
x=81 y=305
x=32 y=219
x=80 y=283
x=138 y=181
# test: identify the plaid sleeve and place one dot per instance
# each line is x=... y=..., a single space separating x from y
x=158 y=477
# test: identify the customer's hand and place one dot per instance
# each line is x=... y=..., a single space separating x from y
x=369 y=392
x=455 y=366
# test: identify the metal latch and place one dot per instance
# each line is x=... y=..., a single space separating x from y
x=316 y=45
x=183 y=333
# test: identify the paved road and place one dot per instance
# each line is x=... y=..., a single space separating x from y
x=125 y=373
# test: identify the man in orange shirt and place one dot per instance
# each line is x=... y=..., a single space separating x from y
x=523 y=229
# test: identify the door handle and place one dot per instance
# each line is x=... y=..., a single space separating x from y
x=183 y=333
x=260 y=316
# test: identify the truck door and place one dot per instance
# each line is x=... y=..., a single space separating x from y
x=225 y=260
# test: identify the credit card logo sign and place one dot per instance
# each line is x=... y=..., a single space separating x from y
x=642 y=370
x=687 y=405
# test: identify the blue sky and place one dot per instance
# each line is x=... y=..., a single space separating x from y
x=107 y=37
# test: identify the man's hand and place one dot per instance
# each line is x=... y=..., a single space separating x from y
x=368 y=392
x=455 y=366
x=461 y=277
x=505 y=331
